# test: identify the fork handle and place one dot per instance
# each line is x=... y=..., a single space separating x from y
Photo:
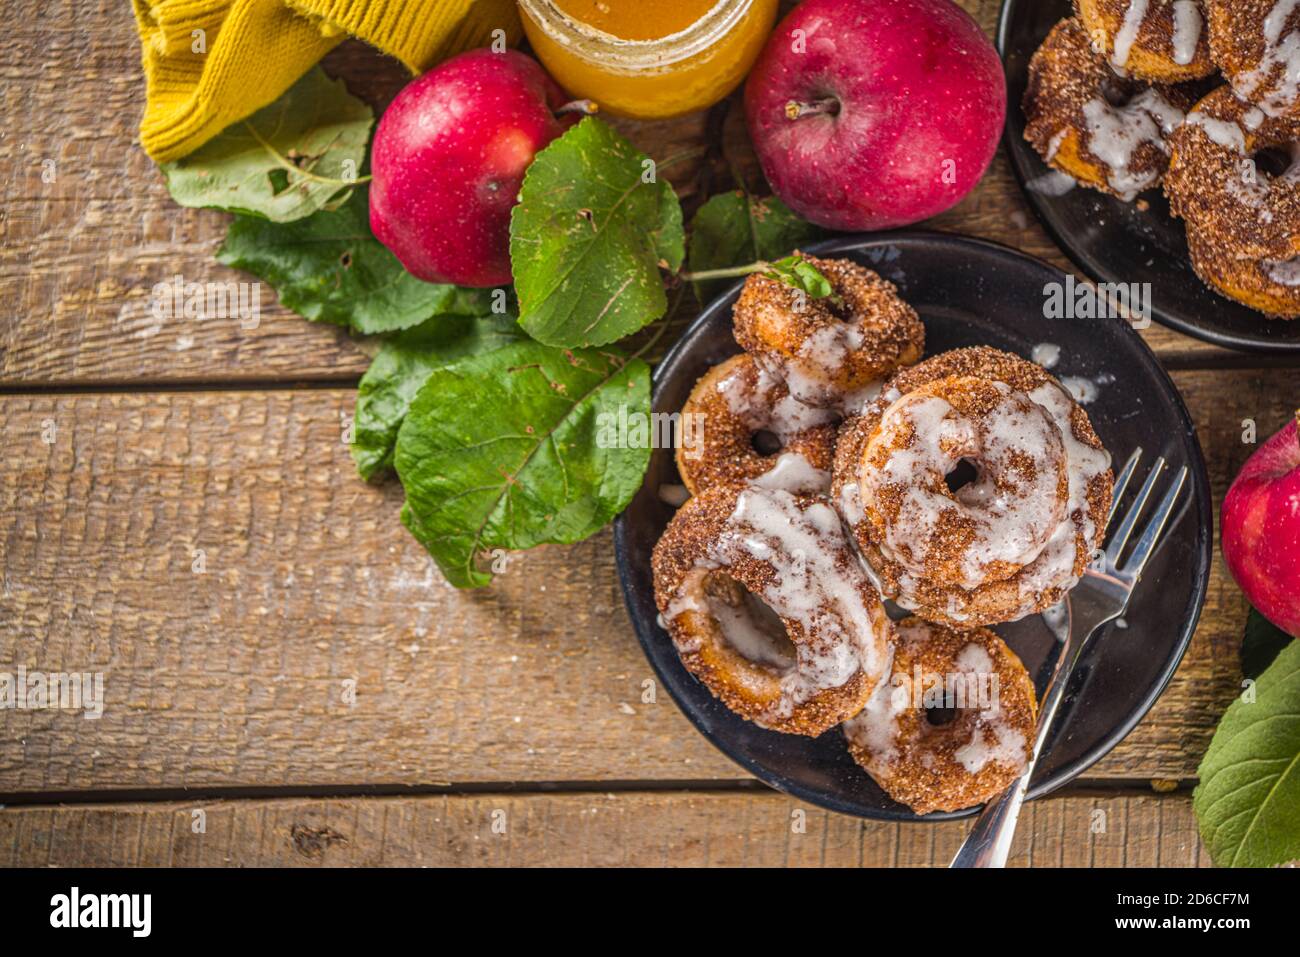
x=989 y=842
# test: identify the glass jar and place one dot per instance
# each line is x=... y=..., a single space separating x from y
x=650 y=78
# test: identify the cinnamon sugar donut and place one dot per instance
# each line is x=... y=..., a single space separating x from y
x=1256 y=43
x=829 y=355
x=975 y=681
x=739 y=404
x=1014 y=540
x=768 y=606
x=1106 y=131
x=1234 y=208
x=1164 y=41
x=1270 y=286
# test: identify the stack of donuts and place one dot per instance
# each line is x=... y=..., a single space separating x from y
x=823 y=485
x=1202 y=95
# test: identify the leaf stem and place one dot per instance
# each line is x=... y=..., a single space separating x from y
x=796 y=110
x=665 y=323
x=731 y=272
x=283 y=161
x=680 y=155
x=581 y=107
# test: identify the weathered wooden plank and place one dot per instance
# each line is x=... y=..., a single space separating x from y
x=597 y=830
x=214 y=555
x=80 y=254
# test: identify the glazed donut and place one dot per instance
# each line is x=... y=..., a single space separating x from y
x=1270 y=286
x=1163 y=41
x=1256 y=43
x=1232 y=207
x=1014 y=540
x=829 y=356
x=768 y=606
x=1106 y=131
x=737 y=402
x=1020 y=455
x=974 y=679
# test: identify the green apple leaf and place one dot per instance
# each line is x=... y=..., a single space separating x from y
x=510 y=449
x=402 y=365
x=1260 y=644
x=1248 y=799
x=592 y=229
x=735 y=228
x=330 y=268
x=801 y=274
x=284 y=162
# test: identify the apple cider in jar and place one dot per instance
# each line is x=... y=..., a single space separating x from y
x=648 y=59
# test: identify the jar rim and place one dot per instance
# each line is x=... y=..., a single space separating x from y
x=589 y=43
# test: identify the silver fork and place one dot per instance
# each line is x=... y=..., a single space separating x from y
x=1101 y=596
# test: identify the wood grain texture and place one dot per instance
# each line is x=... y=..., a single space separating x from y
x=79 y=255
x=238 y=674
x=262 y=619
x=591 y=830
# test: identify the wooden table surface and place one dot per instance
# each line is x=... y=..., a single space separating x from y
x=504 y=726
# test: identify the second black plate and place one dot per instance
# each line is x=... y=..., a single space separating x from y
x=968 y=292
x=1114 y=241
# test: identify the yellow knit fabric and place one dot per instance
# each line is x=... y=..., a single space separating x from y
x=210 y=63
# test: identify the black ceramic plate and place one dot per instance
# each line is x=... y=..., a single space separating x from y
x=968 y=292
x=1114 y=241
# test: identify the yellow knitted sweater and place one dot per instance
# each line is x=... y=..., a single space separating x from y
x=210 y=63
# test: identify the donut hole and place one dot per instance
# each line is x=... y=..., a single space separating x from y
x=962 y=474
x=939 y=715
x=747 y=624
x=1272 y=161
x=766 y=442
x=1116 y=94
x=835 y=305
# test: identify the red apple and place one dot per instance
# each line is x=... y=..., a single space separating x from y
x=869 y=114
x=448 y=159
x=1261 y=529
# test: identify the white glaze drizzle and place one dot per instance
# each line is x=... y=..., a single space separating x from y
x=1249 y=188
x=754 y=631
x=1187 y=30
x=1083 y=391
x=1052 y=183
x=1224 y=132
x=1054 y=144
x=1054 y=566
x=1284 y=272
x=1115 y=133
x=1013 y=515
x=794 y=473
x=808 y=373
x=1274 y=83
x=1057 y=619
x=1046 y=354
x=1128 y=31
x=1008 y=747
x=876 y=729
x=811 y=586
x=753 y=405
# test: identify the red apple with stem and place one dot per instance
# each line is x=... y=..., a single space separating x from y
x=1261 y=529
x=448 y=160
x=870 y=114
